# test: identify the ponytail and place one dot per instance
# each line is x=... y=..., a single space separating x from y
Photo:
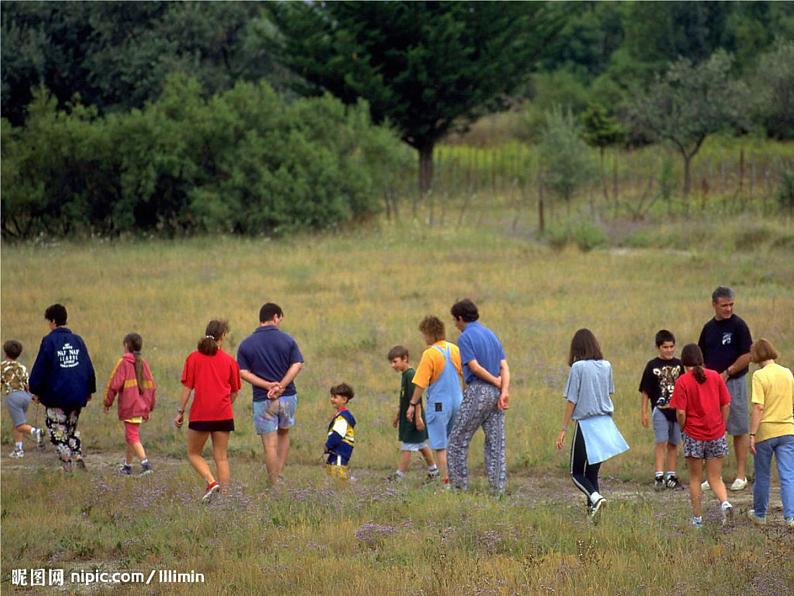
x=208 y=345
x=133 y=344
x=692 y=357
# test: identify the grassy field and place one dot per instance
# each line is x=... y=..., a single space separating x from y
x=347 y=298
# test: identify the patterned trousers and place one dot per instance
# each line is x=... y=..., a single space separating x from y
x=62 y=428
x=478 y=409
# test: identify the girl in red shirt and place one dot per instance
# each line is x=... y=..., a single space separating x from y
x=214 y=379
x=131 y=380
x=702 y=403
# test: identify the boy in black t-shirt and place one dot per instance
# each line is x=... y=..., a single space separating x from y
x=656 y=387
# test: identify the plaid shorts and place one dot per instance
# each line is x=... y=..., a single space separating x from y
x=705 y=449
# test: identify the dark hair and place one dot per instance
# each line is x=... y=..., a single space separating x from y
x=56 y=313
x=12 y=349
x=465 y=309
x=208 y=345
x=268 y=311
x=133 y=343
x=584 y=346
x=397 y=352
x=761 y=350
x=722 y=292
x=344 y=390
x=691 y=356
x=664 y=335
x=432 y=326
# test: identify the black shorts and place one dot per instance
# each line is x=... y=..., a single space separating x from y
x=212 y=425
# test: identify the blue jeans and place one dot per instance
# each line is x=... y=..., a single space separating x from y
x=783 y=449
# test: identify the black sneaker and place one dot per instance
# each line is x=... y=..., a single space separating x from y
x=125 y=470
x=659 y=483
x=146 y=468
x=672 y=482
x=80 y=464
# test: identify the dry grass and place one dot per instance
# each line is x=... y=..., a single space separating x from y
x=347 y=299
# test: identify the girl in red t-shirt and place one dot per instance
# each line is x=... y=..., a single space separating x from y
x=214 y=379
x=702 y=402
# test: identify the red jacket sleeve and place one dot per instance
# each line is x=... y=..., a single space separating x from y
x=115 y=384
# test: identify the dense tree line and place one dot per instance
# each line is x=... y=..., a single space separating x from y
x=94 y=76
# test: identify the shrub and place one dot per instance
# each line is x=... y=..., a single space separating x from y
x=785 y=191
x=244 y=161
x=583 y=233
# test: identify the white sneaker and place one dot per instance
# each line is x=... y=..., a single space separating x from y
x=17 y=454
x=705 y=485
x=727 y=516
x=756 y=519
x=739 y=484
x=595 y=511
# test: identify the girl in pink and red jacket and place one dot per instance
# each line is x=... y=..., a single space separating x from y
x=132 y=382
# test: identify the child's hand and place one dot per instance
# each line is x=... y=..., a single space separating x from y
x=560 y=439
x=645 y=419
x=396 y=421
x=179 y=420
x=420 y=423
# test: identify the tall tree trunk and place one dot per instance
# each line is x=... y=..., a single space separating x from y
x=425 y=168
x=687 y=175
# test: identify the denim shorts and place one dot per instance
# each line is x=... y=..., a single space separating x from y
x=17 y=403
x=665 y=430
x=273 y=414
x=705 y=449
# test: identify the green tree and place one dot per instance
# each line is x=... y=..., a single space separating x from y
x=426 y=67
x=565 y=157
x=601 y=130
x=689 y=103
x=117 y=55
x=774 y=80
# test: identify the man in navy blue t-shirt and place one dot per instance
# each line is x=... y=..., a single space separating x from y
x=270 y=360
x=485 y=399
x=725 y=342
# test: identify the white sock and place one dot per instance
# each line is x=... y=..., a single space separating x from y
x=725 y=505
x=595 y=497
x=20 y=446
x=659 y=474
x=399 y=474
x=670 y=474
x=144 y=461
x=432 y=468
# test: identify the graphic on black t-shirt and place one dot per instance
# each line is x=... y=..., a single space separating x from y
x=658 y=382
x=726 y=338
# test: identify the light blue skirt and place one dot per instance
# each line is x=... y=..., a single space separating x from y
x=602 y=439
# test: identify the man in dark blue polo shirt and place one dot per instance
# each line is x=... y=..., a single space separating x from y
x=725 y=342
x=270 y=360
x=485 y=399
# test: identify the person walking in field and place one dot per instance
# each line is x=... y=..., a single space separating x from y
x=772 y=431
x=213 y=377
x=17 y=397
x=132 y=382
x=485 y=399
x=439 y=372
x=63 y=380
x=596 y=437
x=725 y=342
x=702 y=402
x=269 y=360
x=412 y=433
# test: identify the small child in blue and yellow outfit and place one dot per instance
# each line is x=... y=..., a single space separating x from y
x=341 y=433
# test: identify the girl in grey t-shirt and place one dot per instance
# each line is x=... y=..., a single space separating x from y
x=588 y=402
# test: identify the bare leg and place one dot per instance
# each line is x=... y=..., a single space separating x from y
x=135 y=449
x=270 y=445
x=130 y=454
x=695 y=466
x=220 y=445
x=740 y=445
x=405 y=460
x=428 y=455
x=441 y=458
x=714 y=476
x=671 y=454
x=283 y=448
x=195 y=446
x=20 y=431
x=658 y=456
